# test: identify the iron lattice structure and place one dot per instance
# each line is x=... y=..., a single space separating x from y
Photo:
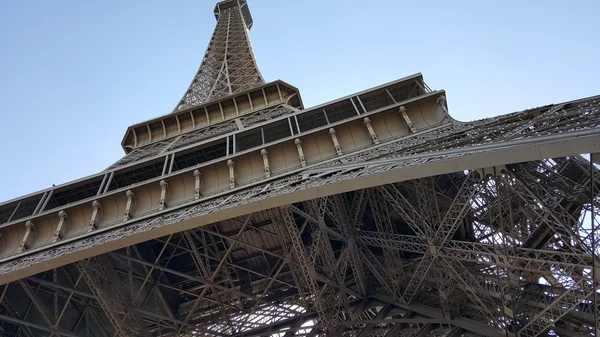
x=242 y=214
x=229 y=65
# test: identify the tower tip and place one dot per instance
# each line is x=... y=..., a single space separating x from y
x=242 y=5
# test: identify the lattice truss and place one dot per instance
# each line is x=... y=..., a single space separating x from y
x=504 y=251
x=229 y=65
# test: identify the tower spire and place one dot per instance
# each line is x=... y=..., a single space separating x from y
x=229 y=65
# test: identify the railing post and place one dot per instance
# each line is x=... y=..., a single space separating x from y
x=197 y=177
x=96 y=207
x=25 y=244
x=265 y=156
x=298 y=144
x=336 y=143
x=163 y=195
x=130 y=197
x=367 y=122
x=231 y=165
x=58 y=233
x=410 y=124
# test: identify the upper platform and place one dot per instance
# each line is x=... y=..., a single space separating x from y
x=238 y=136
x=223 y=6
x=205 y=115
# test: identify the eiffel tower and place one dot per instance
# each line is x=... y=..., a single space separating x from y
x=242 y=213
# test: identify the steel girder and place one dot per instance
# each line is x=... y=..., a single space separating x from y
x=437 y=151
x=246 y=276
x=507 y=250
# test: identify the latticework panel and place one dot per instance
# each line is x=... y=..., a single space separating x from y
x=499 y=254
x=508 y=249
x=229 y=65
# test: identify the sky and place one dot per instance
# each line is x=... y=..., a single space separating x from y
x=75 y=74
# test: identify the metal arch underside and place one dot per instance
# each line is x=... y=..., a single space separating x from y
x=503 y=251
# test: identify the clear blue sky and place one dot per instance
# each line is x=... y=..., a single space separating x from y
x=74 y=74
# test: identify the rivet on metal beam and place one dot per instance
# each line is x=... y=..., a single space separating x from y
x=231 y=165
x=410 y=124
x=130 y=196
x=367 y=122
x=298 y=144
x=93 y=221
x=25 y=244
x=58 y=233
x=265 y=156
x=163 y=195
x=197 y=177
x=336 y=143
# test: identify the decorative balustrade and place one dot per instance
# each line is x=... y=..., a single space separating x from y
x=181 y=154
x=173 y=181
x=222 y=174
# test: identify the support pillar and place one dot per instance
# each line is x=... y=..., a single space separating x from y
x=410 y=124
x=265 y=156
x=93 y=221
x=367 y=122
x=442 y=102
x=130 y=196
x=59 y=232
x=336 y=143
x=298 y=144
x=25 y=242
x=197 y=177
x=231 y=165
x=163 y=195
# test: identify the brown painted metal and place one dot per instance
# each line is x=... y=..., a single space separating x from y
x=243 y=214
